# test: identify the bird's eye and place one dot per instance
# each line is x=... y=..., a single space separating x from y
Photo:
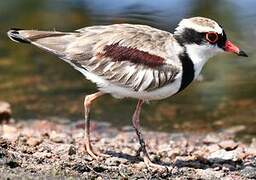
x=212 y=37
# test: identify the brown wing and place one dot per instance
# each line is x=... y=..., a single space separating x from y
x=132 y=56
x=121 y=54
x=138 y=77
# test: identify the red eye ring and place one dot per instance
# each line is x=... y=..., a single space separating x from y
x=212 y=37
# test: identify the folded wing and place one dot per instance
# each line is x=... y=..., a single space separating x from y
x=130 y=56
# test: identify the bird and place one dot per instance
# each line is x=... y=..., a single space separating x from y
x=134 y=61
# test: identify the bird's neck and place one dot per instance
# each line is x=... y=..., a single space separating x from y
x=199 y=55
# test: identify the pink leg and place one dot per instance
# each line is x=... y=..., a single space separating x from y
x=87 y=105
x=136 y=125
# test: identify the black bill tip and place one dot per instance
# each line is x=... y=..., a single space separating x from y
x=242 y=53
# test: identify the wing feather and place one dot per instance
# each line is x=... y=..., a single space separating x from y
x=119 y=69
x=130 y=56
x=137 y=57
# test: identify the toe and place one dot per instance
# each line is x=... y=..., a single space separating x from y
x=152 y=166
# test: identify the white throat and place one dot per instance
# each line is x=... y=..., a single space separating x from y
x=200 y=54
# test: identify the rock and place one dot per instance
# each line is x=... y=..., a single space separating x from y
x=124 y=171
x=115 y=161
x=228 y=167
x=216 y=167
x=13 y=163
x=251 y=151
x=5 y=111
x=222 y=155
x=228 y=145
x=71 y=150
x=99 y=178
x=213 y=148
x=249 y=172
x=42 y=155
x=253 y=143
x=4 y=143
x=64 y=149
x=33 y=141
x=140 y=165
x=56 y=153
x=59 y=137
x=80 y=167
x=172 y=153
x=99 y=169
x=10 y=132
x=208 y=174
x=211 y=139
x=235 y=129
x=127 y=129
x=175 y=170
x=45 y=126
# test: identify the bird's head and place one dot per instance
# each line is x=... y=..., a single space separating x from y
x=204 y=38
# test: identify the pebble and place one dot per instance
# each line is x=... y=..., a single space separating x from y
x=5 y=111
x=235 y=129
x=188 y=157
x=124 y=171
x=213 y=148
x=228 y=145
x=71 y=150
x=209 y=174
x=222 y=155
x=44 y=126
x=33 y=141
x=80 y=167
x=175 y=170
x=211 y=139
x=10 y=132
x=172 y=153
x=4 y=143
x=59 y=137
x=249 y=172
x=64 y=149
x=253 y=143
x=99 y=178
x=216 y=167
x=127 y=129
x=115 y=161
x=228 y=167
x=42 y=155
x=140 y=165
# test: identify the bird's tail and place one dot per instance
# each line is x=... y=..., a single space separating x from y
x=52 y=41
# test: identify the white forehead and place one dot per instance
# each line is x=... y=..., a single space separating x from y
x=200 y=24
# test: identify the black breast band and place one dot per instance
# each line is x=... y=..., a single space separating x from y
x=188 y=71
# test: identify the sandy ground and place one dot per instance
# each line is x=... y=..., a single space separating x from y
x=43 y=149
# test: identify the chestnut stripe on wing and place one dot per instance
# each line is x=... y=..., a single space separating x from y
x=122 y=53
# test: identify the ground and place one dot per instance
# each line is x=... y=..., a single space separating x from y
x=44 y=149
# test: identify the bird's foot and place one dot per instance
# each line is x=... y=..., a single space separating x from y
x=99 y=154
x=94 y=154
x=149 y=163
x=153 y=166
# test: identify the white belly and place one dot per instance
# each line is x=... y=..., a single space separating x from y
x=122 y=92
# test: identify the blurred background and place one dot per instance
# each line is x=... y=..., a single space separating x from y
x=39 y=85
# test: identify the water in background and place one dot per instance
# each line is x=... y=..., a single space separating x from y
x=39 y=85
